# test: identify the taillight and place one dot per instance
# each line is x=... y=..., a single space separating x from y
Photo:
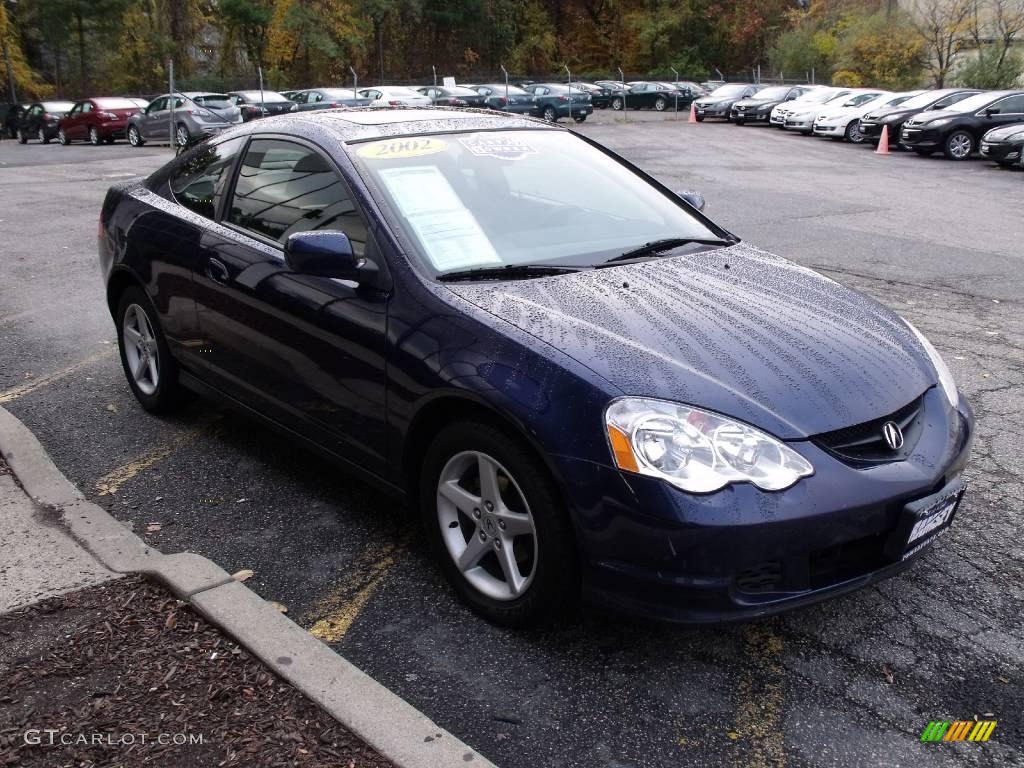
x=563 y=98
x=108 y=116
x=394 y=103
x=503 y=101
x=334 y=104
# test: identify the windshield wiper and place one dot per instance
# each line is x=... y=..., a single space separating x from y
x=660 y=246
x=508 y=272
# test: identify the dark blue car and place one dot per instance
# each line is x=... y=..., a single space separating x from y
x=585 y=387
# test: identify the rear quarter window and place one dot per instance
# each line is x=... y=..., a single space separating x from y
x=201 y=178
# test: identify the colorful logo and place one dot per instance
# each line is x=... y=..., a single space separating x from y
x=958 y=730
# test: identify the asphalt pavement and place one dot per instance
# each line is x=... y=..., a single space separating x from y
x=852 y=682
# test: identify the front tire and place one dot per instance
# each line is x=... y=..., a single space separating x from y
x=618 y=104
x=182 y=136
x=853 y=134
x=41 y=135
x=151 y=372
x=498 y=526
x=959 y=145
x=134 y=137
x=94 y=136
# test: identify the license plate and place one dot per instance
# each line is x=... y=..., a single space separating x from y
x=928 y=518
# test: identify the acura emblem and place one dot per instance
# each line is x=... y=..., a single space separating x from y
x=893 y=435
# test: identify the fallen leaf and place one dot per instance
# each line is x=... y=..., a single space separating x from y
x=172 y=620
x=159 y=498
x=243 y=575
x=1002 y=679
x=241 y=500
x=279 y=606
x=153 y=527
x=732 y=735
x=112 y=408
x=888 y=674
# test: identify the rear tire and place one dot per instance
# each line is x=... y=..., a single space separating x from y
x=151 y=372
x=550 y=114
x=617 y=104
x=660 y=103
x=527 y=498
x=181 y=136
x=62 y=138
x=134 y=137
x=94 y=136
x=41 y=135
x=22 y=139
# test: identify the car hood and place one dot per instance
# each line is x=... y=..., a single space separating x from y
x=890 y=113
x=1004 y=132
x=935 y=114
x=757 y=102
x=738 y=330
x=706 y=102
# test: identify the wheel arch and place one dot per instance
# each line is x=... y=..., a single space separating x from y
x=445 y=407
x=121 y=279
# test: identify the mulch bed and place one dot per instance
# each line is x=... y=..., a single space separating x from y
x=125 y=664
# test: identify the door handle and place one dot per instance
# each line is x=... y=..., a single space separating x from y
x=216 y=271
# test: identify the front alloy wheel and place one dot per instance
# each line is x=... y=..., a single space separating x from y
x=853 y=134
x=94 y=136
x=486 y=525
x=617 y=104
x=959 y=145
x=181 y=136
x=134 y=137
x=62 y=138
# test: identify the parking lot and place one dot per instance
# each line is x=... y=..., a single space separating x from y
x=852 y=682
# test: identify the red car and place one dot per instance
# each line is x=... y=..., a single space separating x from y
x=97 y=120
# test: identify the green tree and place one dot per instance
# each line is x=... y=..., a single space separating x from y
x=247 y=21
x=881 y=50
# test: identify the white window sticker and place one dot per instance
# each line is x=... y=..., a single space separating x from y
x=448 y=232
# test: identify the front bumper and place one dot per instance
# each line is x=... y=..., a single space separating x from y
x=742 y=553
x=1002 y=152
x=917 y=138
x=712 y=110
x=751 y=116
x=873 y=131
x=799 y=123
x=576 y=110
x=832 y=131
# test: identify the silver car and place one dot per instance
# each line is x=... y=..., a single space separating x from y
x=193 y=114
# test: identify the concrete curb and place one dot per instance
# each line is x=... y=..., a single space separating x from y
x=393 y=727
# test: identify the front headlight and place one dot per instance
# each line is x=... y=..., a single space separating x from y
x=696 y=450
x=946 y=380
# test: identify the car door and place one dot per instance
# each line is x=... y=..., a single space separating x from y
x=1010 y=110
x=71 y=123
x=307 y=351
x=86 y=118
x=153 y=124
x=32 y=121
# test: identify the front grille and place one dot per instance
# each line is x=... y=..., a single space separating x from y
x=865 y=443
x=763 y=577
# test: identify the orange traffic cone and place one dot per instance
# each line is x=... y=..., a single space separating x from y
x=693 y=113
x=883 y=143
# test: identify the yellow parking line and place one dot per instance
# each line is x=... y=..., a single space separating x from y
x=343 y=605
x=112 y=482
x=759 y=720
x=30 y=386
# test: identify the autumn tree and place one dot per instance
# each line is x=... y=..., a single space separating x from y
x=880 y=50
x=944 y=28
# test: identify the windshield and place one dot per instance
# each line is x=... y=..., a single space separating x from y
x=115 y=103
x=512 y=90
x=500 y=198
x=860 y=98
x=268 y=96
x=406 y=93
x=772 y=93
x=729 y=90
x=213 y=101
x=460 y=91
x=974 y=102
x=922 y=100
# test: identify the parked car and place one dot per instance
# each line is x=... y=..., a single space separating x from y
x=843 y=123
x=507 y=98
x=811 y=100
x=256 y=104
x=40 y=120
x=1004 y=145
x=328 y=98
x=957 y=130
x=872 y=123
x=696 y=89
x=290 y=95
x=719 y=102
x=374 y=295
x=650 y=95
x=459 y=96
x=194 y=114
x=554 y=101
x=100 y=120
x=801 y=116
x=611 y=85
x=600 y=97
x=394 y=96
x=758 y=108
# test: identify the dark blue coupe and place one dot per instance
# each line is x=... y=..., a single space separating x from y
x=586 y=387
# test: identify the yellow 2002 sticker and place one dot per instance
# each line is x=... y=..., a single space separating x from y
x=393 y=149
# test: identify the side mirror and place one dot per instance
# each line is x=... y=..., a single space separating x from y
x=991 y=111
x=327 y=254
x=693 y=199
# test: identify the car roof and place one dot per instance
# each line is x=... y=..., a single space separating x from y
x=355 y=124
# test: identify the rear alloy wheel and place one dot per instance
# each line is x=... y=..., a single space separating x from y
x=181 y=135
x=43 y=138
x=94 y=136
x=617 y=104
x=151 y=371
x=853 y=134
x=62 y=138
x=134 y=137
x=660 y=103
x=498 y=526
x=550 y=114
x=959 y=145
